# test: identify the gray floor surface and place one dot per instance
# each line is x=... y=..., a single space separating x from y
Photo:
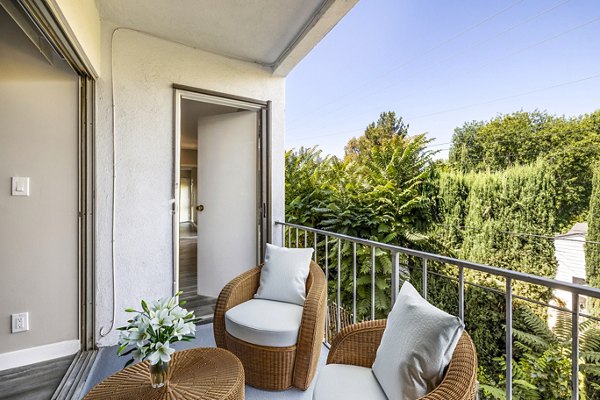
x=108 y=363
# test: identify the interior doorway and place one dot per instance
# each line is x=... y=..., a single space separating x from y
x=220 y=193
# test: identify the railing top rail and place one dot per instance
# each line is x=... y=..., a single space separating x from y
x=521 y=276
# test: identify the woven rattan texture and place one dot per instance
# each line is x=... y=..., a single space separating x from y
x=276 y=368
x=203 y=373
x=357 y=345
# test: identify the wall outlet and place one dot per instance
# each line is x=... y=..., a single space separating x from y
x=20 y=322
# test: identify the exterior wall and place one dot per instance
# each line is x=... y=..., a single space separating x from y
x=570 y=254
x=143 y=69
x=38 y=234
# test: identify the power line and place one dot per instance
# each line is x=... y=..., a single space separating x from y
x=572 y=29
x=468 y=106
x=526 y=234
x=507 y=97
x=454 y=55
x=426 y=52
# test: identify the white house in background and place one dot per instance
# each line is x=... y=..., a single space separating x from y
x=570 y=255
x=101 y=138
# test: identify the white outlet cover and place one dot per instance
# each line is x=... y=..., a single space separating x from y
x=20 y=322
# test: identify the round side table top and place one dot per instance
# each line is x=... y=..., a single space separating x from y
x=202 y=373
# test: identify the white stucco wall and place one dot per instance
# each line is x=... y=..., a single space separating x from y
x=143 y=69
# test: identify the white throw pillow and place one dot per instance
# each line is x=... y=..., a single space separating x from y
x=416 y=346
x=283 y=277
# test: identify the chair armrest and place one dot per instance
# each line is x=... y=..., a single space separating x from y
x=460 y=381
x=357 y=344
x=312 y=329
x=240 y=289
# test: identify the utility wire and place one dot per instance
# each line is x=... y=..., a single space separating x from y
x=466 y=106
x=587 y=78
x=456 y=54
x=426 y=52
x=525 y=234
x=518 y=51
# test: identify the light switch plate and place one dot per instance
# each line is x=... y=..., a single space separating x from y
x=19 y=186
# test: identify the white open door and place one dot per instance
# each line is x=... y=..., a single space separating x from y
x=227 y=198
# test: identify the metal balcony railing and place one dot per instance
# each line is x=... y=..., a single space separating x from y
x=289 y=230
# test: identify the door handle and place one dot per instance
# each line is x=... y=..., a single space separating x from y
x=200 y=207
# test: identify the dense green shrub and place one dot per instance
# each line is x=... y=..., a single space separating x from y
x=522 y=173
x=570 y=146
x=592 y=250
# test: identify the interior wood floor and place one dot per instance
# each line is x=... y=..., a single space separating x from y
x=33 y=382
x=203 y=306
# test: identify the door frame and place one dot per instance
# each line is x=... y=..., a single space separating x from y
x=263 y=167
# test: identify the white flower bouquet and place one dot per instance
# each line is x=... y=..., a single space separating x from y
x=153 y=329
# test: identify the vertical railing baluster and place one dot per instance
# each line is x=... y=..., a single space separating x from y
x=289 y=236
x=353 y=282
x=296 y=237
x=461 y=293
x=425 y=278
x=575 y=347
x=372 y=283
x=327 y=288
x=339 y=286
x=283 y=227
x=305 y=238
x=395 y=277
x=315 y=245
x=509 y=347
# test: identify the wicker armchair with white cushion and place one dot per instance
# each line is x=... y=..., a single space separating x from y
x=436 y=360
x=277 y=341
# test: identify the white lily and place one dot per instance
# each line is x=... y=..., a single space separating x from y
x=162 y=352
x=139 y=353
x=159 y=305
x=178 y=312
x=137 y=336
x=162 y=322
x=161 y=318
x=181 y=329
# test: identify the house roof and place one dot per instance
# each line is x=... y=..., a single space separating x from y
x=579 y=229
x=273 y=33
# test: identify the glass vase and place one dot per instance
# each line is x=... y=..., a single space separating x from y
x=159 y=374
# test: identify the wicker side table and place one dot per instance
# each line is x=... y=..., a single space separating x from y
x=202 y=373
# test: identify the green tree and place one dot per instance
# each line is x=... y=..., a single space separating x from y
x=569 y=145
x=383 y=193
x=592 y=250
x=377 y=133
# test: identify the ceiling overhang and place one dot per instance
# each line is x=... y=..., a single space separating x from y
x=273 y=33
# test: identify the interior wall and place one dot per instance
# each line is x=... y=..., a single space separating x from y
x=144 y=69
x=38 y=234
x=227 y=187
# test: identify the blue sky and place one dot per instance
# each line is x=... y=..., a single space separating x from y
x=440 y=63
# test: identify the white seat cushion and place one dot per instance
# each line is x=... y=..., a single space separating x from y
x=347 y=382
x=265 y=322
